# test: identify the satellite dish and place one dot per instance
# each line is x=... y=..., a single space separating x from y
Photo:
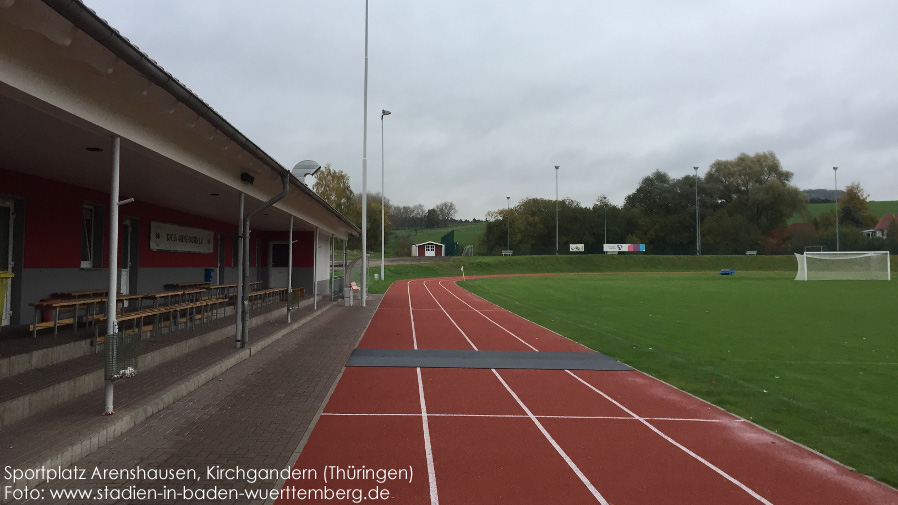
x=304 y=168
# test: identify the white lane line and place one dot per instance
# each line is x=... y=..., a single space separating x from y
x=411 y=313
x=450 y=317
x=487 y=317
x=552 y=441
x=428 y=450
x=674 y=442
x=530 y=415
x=504 y=416
x=431 y=472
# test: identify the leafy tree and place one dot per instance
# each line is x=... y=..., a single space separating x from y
x=854 y=209
x=756 y=187
x=663 y=209
x=446 y=212
x=333 y=187
x=727 y=233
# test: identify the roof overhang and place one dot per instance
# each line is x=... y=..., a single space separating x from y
x=68 y=81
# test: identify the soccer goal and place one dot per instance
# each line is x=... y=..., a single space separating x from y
x=853 y=265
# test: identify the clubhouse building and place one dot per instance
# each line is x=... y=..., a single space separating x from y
x=102 y=149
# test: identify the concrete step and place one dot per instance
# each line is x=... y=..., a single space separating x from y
x=71 y=430
x=34 y=391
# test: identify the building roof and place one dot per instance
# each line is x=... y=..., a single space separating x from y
x=885 y=221
x=123 y=92
x=430 y=242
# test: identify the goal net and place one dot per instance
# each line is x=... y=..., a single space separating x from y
x=855 y=265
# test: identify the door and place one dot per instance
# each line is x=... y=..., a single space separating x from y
x=221 y=258
x=6 y=220
x=125 y=264
x=430 y=250
x=278 y=265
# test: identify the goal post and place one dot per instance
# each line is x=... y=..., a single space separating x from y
x=849 y=265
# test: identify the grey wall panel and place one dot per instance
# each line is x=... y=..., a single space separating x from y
x=153 y=280
x=302 y=278
x=39 y=283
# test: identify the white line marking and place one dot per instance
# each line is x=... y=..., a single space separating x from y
x=450 y=317
x=408 y=286
x=505 y=416
x=431 y=472
x=552 y=441
x=674 y=442
x=487 y=317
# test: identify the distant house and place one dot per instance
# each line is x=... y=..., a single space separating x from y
x=881 y=229
x=428 y=249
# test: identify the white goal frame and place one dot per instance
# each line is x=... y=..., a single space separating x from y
x=844 y=265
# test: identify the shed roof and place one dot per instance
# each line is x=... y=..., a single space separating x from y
x=885 y=221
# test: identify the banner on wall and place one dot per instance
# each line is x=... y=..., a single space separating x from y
x=174 y=238
x=624 y=247
x=578 y=247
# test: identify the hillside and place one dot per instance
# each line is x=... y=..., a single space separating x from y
x=465 y=234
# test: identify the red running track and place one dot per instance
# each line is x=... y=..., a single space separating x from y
x=539 y=436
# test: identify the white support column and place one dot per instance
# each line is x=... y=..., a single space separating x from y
x=111 y=302
x=315 y=272
x=238 y=307
x=290 y=270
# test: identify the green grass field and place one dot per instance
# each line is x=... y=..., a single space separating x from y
x=814 y=361
x=815 y=209
x=569 y=263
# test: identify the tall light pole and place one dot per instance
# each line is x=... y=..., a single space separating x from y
x=836 y=181
x=698 y=224
x=365 y=173
x=556 y=209
x=508 y=220
x=383 y=195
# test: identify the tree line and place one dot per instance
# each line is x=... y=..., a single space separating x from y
x=743 y=205
x=333 y=186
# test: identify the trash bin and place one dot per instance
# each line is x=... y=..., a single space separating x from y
x=347 y=297
x=47 y=312
x=4 y=278
x=210 y=273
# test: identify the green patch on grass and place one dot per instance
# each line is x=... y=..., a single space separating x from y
x=814 y=361
x=815 y=209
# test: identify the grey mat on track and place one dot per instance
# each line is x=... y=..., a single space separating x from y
x=430 y=358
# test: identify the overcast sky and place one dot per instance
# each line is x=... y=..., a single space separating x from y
x=487 y=96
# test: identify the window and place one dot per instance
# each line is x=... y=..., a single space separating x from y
x=430 y=248
x=91 y=236
x=87 y=236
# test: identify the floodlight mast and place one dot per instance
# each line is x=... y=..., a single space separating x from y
x=556 y=210
x=698 y=223
x=836 y=181
x=508 y=220
x=383 y=194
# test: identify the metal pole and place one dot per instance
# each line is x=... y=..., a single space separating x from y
x=605 y=222
x=290 y=270
x=383 y=194
x=238 y=308
x=365 y=174
x=836 y=181
x=508 y=219
x=244 y=336
x=556 y=209
x=111 y=302
x=698 y=234
x=315 y=273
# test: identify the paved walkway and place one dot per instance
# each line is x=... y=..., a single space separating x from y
x=252 y=416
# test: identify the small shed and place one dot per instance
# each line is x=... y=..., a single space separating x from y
x=429 y=248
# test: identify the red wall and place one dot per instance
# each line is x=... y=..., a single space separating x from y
x=53 y=227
